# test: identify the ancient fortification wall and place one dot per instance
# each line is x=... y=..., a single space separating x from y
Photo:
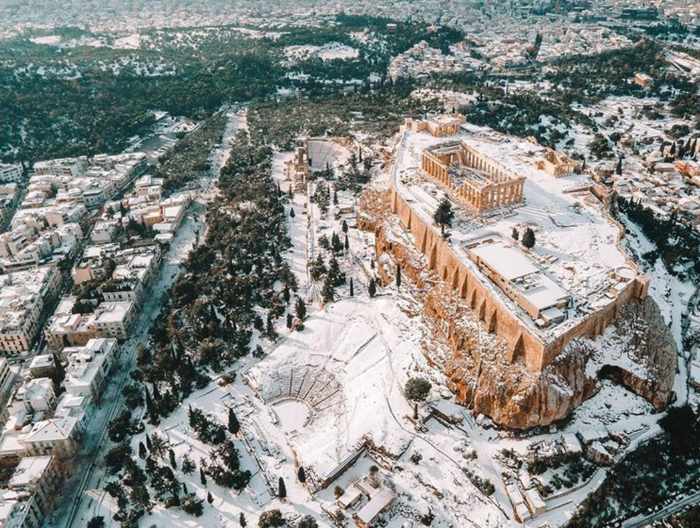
x=523 y=343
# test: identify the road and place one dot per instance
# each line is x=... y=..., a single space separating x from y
x=645 y=520
x=78 y=503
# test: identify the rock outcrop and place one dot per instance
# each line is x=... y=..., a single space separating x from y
x=638 y=351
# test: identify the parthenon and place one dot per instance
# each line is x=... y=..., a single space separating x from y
x=475 y=179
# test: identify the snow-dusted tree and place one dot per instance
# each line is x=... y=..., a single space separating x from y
x=328 y=290
x=417 y=389
x=372 y=288
x=188 y=466
x=444 y=214
x=233 y=425
x=300 y=309
x=281 y=489
x=528 y=239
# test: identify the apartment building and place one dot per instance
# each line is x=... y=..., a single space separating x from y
x=27 y=496
x=109 y=319
x=23 y=296
x=88 y=367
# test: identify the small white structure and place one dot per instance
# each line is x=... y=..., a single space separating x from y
x=378 y=504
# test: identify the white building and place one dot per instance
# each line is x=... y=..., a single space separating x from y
x=88 y=367
x=23 y=296
x=10 y=173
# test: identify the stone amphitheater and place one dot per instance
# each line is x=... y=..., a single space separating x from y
x=311 y=384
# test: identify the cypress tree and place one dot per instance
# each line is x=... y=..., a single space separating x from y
x=372 y=288
x=142 y=451
x=202 y=476
x=233 y=425
x=300 y=309
x=290 y=321
x=352 y=288
x=281 y=489
x=210 y=499
x=242 y=521
x=345 y=227
x=398 y=276
x=171 y=454
x=148 y=443
x=292 y=214
x=328 y=290
x=347 y=243
x=301 y=474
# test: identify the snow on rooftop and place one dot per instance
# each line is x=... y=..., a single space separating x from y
x=508 y=262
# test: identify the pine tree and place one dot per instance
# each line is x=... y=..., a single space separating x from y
x=301 y=474
x=352 y=288
x=281 y=489
x=347 y=243
x=210 y=499
x=300 y=309
x=148 y=443
x=618 y=169
x=372 y=288
x=344 y=227
x=285 y=294
x=171 y=454
x=515 y=234
x=156 y=392
x=184 y=488
x=398 y=276
x=242 y=521
x=292 y=214
x=290 y=321
x=233 y=425
x=335 y=197
x=202 y=476
x=371 y=263
x=143 y=453
x=528 y=240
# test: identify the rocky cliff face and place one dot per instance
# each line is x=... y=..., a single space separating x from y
x=638 y=352
x=483 y=380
